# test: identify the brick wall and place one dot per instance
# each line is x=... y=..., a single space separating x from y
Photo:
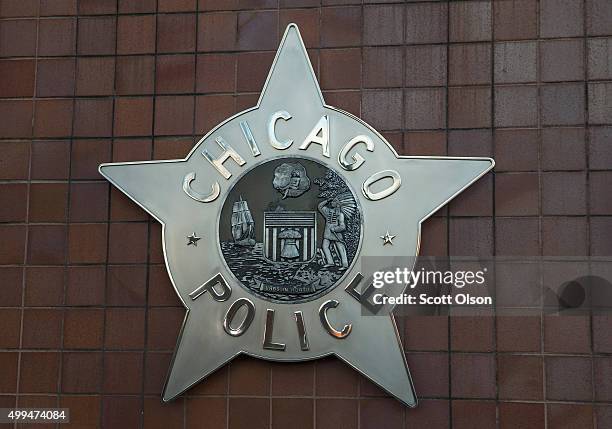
x=88 y=319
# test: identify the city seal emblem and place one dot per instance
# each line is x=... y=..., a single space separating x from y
x=267 y=221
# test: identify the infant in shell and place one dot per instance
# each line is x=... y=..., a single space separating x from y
x=291 y=180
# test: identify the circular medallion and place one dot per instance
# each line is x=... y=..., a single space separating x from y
x=290 y=229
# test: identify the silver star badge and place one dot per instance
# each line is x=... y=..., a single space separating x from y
x=387 y=238
x=193 y=239
x=288 y=197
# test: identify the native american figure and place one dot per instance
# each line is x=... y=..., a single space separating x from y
x=335 y=211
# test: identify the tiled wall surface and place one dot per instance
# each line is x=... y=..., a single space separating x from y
x=88 y=318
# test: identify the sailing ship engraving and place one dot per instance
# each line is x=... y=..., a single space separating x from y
x=243 y=225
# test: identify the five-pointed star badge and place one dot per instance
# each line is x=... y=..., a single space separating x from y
x=290 y=119
x=387 y=238
x=193 y=239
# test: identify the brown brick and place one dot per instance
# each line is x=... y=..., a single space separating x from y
x=564 y=236
x=340 y=68
x=136 y=34
x=95 y=76
x=515 y=19
x=515 y=415
x=425 y=65
x=177 y=5
x=426 y=23
x=18 y=194
x=600 y=103
x=174 y=115
x=250 y=37
x=602 y=342
x=292 y=412
x=516 y=106
x=383 y=25
x=563 y=193
x=42 y=329
x=599 y=185
x=340 y=26
x=383 y=108
x=176 y=33
x=86 y=156
x=137 y=6
x=561 y=60
x=135 y=75
x=58 y=7
x=470 y=21
x=517 y=194
x=557 y=143
x=126 y=285
x=381 y=411
x=97 y=36
x=216 y=73
x=18 y=78
x=213 y=411
x=469 y=107
x=599 y=59
x=133 y=116
x=44 y=286
x=477 y=200
x=17 y=120
x=116 y=337
x=249 y=412
x=210 y=111
x=599 y=13
x=53 y=118
x=13 y=250
x=47 y=244
x=85 y=285
x=517 y=237
x=375 y=75
x=18 y=38
x=9 y=9
x=471 y=236
x=93 y=117
x=516 y=150
x=562 y=104
x=96 y=7
x=561 y=18
x=83 y=328
x=56 y=36
x=567 y=416
x=602 y=378
x=568 y=378
x=425 y=108
x=471 y=414
x=334 y=413
x=430 y=373
x=473 y=375
x=39 y=372
x=335 y=378
x=472 y=333
x=520 y=377
x=87 y=243
x=163 y=327
x=121 y=411
x=469 y=64
x=217 y=31
x=515 y=62
x=81 y=372
x=123 y=373
x=48 y=202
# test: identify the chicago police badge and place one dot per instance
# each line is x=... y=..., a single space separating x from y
x=266 y=223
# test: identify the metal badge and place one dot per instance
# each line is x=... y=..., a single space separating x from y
x=266 y=223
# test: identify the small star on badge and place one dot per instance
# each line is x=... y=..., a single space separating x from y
x=387 y=238
x=193 y=239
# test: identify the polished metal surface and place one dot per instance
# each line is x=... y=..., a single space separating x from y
x=223 y=317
